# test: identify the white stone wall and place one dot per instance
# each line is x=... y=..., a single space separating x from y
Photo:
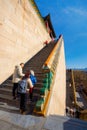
x=58 y=95
x=21 y=34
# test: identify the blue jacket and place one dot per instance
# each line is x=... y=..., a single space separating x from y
x=33 y=79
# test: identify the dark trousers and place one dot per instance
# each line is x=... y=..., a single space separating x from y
x=15 y=89
x=23 y=101
x=31 y=93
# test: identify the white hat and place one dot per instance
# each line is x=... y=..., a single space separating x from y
x=32 y=72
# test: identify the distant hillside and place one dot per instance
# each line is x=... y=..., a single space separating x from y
x=85 y=69
x=80 y=76
x=79 y=69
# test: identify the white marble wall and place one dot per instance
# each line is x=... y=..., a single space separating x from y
x=21 y=34
x=58 y=94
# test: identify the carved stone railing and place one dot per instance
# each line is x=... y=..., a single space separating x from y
x=49 y=71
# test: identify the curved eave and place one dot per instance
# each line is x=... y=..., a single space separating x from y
x=50 y=24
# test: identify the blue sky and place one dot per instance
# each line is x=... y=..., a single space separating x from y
x=69 y=18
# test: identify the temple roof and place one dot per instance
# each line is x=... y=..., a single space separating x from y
x=50 y=24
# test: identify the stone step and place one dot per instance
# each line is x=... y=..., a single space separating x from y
x=39 y=85
x=35 y=68
x=8 y=91
x=9 y=81
x=16 y=109
x=37 y=89
x=37 y=76
x=35 y=64
x=7 y=85
x=9 y=99
x=6 y=107
x=10 y=84
x=40 y=80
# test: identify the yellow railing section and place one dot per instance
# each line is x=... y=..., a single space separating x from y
x=49 y=71
x=49 y=60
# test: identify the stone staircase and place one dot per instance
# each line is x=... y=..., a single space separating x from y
x=36 y=64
